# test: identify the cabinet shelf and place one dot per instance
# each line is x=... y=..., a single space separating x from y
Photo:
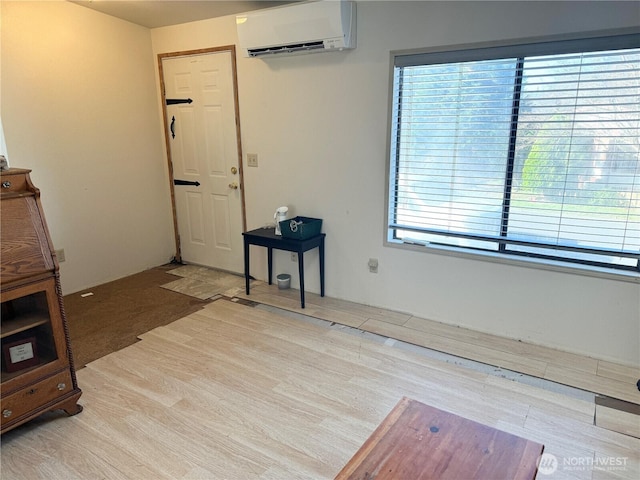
x=23 y=324
x=23 y=313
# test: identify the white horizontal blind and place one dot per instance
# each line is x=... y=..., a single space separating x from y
x=527 y=155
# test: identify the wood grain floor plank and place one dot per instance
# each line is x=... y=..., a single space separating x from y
x=618 y=420
x=614 y=371
x=578 y=409
x=507 y=345
x=626 y=391
x=315 y=305
x=463 y=349
x=591 y=436
x=571 y=369
x=238 y=392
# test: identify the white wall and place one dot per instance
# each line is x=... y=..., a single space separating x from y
x=79 y=109
x=319 y=126
x=80 y=106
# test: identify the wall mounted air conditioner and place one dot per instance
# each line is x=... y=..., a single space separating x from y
x=322 y=26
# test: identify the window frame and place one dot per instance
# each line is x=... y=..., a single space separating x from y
x=550 y=45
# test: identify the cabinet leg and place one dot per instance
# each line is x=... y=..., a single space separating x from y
x=77 y=408
x=71 y=407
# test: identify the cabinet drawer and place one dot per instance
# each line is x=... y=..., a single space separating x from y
x=35 y=396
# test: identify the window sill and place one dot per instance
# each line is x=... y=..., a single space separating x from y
x=537 y=263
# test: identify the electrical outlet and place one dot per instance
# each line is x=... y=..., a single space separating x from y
x=294 y=257
x=60 y=255
x=252 y=159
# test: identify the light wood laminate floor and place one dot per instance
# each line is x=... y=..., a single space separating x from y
x=586 y=373
x=236 y=392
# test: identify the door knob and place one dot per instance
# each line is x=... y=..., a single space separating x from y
x=234 y=170
x=233 y=185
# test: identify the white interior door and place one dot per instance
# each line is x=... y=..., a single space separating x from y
x=203 y=142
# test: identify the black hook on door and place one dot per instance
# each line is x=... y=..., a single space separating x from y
x=186 y=182
x=177 y=101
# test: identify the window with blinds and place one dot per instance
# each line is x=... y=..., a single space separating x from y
x=529 y=150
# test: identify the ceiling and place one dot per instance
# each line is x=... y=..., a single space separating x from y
x=160 y=13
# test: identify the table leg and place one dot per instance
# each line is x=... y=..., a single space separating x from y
x=269 y=262
x=246 y=265
x=301 y=273
x=321 y=252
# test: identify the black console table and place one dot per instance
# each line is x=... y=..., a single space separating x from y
x=266 y=237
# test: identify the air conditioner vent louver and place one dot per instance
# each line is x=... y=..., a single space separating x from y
x=306 y=27
x=297 y=48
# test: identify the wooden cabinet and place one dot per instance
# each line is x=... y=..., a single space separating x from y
x=37 y=365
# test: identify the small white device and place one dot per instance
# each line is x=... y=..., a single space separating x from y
x=280 y=216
